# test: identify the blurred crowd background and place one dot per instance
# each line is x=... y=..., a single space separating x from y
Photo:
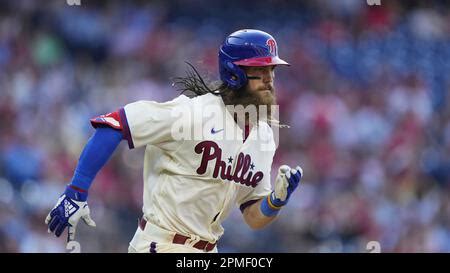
x=366 y=98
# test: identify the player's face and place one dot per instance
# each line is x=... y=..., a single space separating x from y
x=261 y=88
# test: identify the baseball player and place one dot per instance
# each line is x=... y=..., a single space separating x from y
x=192 y=180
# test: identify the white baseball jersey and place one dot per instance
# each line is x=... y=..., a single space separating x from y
x=197 y=166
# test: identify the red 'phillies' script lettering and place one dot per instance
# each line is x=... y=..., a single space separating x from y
x=211 y=151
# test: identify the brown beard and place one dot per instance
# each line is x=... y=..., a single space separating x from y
x=245 y=98
x=194 y=85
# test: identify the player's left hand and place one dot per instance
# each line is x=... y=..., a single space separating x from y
x=286 y=182
x=68 y=211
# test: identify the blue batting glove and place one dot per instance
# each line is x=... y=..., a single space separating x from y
x=285 y=184
x=70 y=208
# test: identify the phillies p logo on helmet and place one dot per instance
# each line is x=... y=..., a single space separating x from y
x=272 y=46
x=246 y=47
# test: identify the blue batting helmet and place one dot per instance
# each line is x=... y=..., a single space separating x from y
x=247 y=47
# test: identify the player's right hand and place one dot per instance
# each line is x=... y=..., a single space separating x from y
x=70 y=208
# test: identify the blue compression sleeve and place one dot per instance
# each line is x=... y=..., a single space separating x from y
x=96 y=153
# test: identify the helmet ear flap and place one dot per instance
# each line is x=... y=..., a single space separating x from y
x=235 y=76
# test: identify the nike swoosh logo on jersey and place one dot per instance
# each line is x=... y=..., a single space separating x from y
x=214 y=131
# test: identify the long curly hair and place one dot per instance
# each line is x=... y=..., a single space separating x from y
x=193 y=84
